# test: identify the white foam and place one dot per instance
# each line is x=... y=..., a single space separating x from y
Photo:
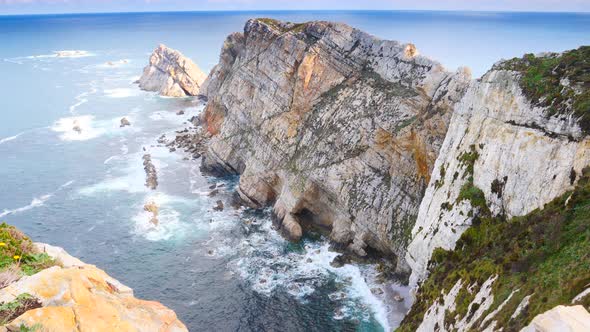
x=68 y=128
x=82 y=98
x=11 y=138
x=114 y=64
x=61 y=54
x=35 y=202
x=121 y=92
x=169 y=219
x=267 y=268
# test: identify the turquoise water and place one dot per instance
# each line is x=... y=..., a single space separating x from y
x=225 y=270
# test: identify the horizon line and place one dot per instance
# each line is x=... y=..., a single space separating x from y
x=298 y=10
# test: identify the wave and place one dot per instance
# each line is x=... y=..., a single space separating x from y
x=64 y=54
x=82 y=97
x=11 y=138
x=169 y=222
x=77 y=128
x=35 y=202
x=121 y=93
x=264 y=262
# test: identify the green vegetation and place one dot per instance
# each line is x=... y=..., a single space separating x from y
x=545 y=254
x=21 y=304
x=283 y=27
x=541 y=79
x=439 y=183
x=18 y=253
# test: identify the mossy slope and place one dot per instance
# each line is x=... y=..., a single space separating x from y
x=560 y=82
x=545 y=254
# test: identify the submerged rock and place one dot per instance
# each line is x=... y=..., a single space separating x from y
x=153 y=208
x=171 y=74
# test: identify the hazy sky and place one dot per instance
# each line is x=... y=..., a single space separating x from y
x=77 y=6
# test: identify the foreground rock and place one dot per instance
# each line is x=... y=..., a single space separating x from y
x=171 y=74
x=75 y=296
x=561 y=318
x=331 y=126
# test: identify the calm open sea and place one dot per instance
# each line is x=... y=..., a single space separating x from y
x=223 y=271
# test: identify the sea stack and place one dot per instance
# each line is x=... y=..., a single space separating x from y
x=171 y=74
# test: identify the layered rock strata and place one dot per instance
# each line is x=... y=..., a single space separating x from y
x=331 y=126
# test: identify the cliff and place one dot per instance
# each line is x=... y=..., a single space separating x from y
x=479 y=188
x=45 y=289
x=334 y=128
x=504 y=226
x=171 y=74
x=506 y=153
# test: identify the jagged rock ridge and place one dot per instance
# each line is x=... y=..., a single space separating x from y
x=331 y=126
x=171 y=74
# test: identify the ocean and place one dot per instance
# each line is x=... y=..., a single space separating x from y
x=222 y=271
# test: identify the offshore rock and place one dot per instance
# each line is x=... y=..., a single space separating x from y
x=329 y=125
x=151 y=176
x=80 y=297
x=171 y=74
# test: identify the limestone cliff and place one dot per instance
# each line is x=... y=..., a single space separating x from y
x=503 y=153
x=503 y=231
x=45 y=289
x=171 y=74
x=331 y=126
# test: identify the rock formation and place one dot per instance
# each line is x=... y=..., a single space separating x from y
x=124 y=123
x=73 y=296
x=151 y=176
x=171 y=74
x=331 y=126
x=561 y=318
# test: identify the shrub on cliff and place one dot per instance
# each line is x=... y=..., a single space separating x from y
x=18 y=255
x=545 y=254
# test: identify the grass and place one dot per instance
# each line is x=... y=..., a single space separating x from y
x=545 y=253
x=18 y=255
x=22 y=303
x=540 y=81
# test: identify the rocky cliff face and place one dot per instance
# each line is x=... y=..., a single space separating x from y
x=331 y=126
x=503 y=155
x=171 y=74
x=69 y=295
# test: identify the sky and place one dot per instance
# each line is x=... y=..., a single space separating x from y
x=8 y=7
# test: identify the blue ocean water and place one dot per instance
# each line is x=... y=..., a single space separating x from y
x=228 y=271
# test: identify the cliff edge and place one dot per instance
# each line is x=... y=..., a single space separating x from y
x=43 y=288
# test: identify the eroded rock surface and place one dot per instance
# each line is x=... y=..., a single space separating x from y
x=330 y=126
x=171 y=74
x=79 y=297
x=561 y=318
